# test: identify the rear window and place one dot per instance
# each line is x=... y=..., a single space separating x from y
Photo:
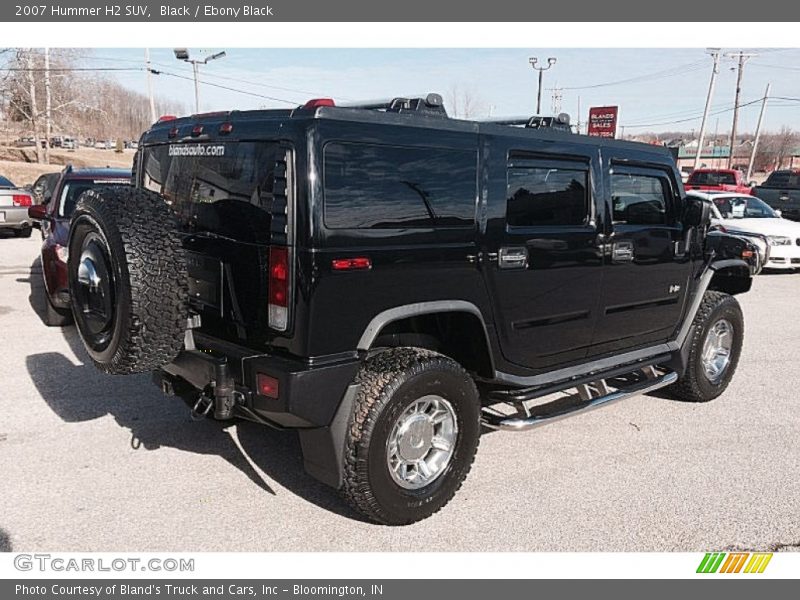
x=789 y=179
x=370 y=186
x=5 y=183
x=711 y=178
x=221 y=188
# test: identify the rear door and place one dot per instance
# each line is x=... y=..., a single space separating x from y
x=223 y=195
x=647 y=271
x=540 y=256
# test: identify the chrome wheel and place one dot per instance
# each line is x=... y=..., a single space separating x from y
x=716 y=356
x=422 y=442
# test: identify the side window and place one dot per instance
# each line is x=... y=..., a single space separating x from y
x=546 y=197
x=371 y=186
x=639 y=199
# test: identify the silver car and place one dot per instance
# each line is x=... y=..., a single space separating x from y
x=14 y=203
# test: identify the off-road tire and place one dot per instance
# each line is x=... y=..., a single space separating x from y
x=694 y=386
x=24 y=232
x=136 y=233
x=388 y=383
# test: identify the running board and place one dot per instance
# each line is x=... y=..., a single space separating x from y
x=589 y=396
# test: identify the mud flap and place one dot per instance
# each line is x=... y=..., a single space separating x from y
x=323 y=447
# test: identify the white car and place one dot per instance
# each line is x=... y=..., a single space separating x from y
x=740 y=213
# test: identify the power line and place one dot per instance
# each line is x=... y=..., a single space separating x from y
x=205 y=75
x=225 y=87
x=695 y=118
x=671 y=72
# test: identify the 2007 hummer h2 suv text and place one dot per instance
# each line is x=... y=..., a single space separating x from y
x=388 y=281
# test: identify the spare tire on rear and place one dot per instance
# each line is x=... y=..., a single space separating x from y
x=127 y=279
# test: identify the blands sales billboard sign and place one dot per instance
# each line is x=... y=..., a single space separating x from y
x=603 y=121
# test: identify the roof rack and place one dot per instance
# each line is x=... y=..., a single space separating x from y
x=429 y=104
x=559 y=123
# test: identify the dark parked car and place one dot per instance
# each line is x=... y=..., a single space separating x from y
x=53 y=218
x=356 y=273
x=14 y=203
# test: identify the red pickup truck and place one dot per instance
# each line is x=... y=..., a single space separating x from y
x=717 y=180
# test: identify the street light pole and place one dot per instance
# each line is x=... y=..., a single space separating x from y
x=183 y=54
x=534 y=62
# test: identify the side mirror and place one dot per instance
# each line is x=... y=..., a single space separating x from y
x=697 y=213
x=752 y=184
x=37 y=212
x=778 y=212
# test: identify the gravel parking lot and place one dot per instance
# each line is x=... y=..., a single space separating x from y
x=98 y=463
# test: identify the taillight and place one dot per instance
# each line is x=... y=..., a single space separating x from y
x=278 y=281
x=21 y=199
x=267 y=386
x=62 y=253
x=351 y=264
x=318 y=103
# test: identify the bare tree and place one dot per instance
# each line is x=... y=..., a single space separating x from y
x=465 y=103
x=775 y=150
x=52 y=99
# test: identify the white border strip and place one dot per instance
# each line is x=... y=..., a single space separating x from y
x=375 y=566
x=403 y=35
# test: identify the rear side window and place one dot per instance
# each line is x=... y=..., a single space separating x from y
x=711 y=178
x=370 y=186
x=547 y=197
x=790 y=179
x=639 y=199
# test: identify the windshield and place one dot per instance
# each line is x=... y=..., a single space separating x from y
x=743 y=207
x=711 y=178
x=73 y=190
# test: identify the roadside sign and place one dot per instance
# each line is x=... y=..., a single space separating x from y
x=603 y=121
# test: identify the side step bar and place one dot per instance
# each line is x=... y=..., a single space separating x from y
x=591 y=396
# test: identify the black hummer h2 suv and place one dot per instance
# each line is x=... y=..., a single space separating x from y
x=388 y=281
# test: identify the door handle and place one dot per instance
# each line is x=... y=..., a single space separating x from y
x=622 y=251
x=513 y=257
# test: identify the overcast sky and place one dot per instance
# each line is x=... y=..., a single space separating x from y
x=666 y=85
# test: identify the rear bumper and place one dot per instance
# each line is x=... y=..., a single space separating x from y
x=14 y=217
x=309 y=391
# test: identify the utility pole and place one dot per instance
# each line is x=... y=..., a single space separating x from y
x=742 y=57
x=701 y=140
x=48 y=116
x=153 y=117
x=578 y=124
x=758 y=133
x=534 y=62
